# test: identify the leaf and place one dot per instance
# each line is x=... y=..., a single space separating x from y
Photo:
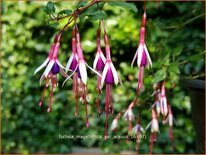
x=196 y=57
x=81 y=4
x=177 y=51
x=50 y=8
x=67 y=12
x=174 y=68
x=159 y=75
x=97 y=15
x=125 y=5
x=54 y=25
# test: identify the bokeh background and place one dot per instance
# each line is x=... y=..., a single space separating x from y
x=175 y=38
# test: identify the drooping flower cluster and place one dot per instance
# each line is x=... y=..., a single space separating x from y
x=107 y=75
x=160 y=105
x=163 y=108
x=102 y=66
x=53 y=68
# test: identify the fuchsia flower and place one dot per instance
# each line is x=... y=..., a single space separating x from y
x=154 y=129
x=163 y=101
x=99 y=61
x=142 y=55
x=98 y=65
x=157 y=94
x=72 y=65
x=109 y=77
x=138 y=130
x=78 y=65
x=53 y=67
x=128 y=115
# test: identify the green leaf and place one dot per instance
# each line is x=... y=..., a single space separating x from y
x=196 y=57
x=54 y=25
x=97 y=15
x=177 y=51
x=67 y=12
x=81 y=4
x=174 y=68
x=125 y=5
x=159 y=75
x=50 y=8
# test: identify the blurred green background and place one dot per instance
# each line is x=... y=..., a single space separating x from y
x=175 y=38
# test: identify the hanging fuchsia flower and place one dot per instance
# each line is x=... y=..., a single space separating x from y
x=98 y=65
x=79 y=71
x=73 y=60
x=128 y=115
x=157 y=94
x=154 y=129
x=163 y=101
x=72 y=65
x=99 y=61
x=109 y=77
x=53 y=67
x=138 y=129
x=142 y=55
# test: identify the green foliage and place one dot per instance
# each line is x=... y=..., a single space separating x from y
x=66 y=12
x=49 y=8
x=175 y=48
x=126 y=5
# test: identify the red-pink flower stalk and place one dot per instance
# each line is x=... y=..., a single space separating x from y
x=142 y=55
x=109 y=77
x=98 y=65
x=53 y=67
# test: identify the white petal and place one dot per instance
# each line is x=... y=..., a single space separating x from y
x=125 y=114
x=142 y=129
x=41 y=66
x=139 y=59
x=63 y=73
x=103 y=57
x=104 y=73
x=48 y=68
x=148 y=56
x=41 y=79
x=135 y=57
x=114 y=124
x=83 y=71
x=154 y=126
x=93 y=70
x=115 y=75
x=70 y=76
x=60 y=65
x=96 y=60
x=148 y=126
x=170 y=119
x=69 y=62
